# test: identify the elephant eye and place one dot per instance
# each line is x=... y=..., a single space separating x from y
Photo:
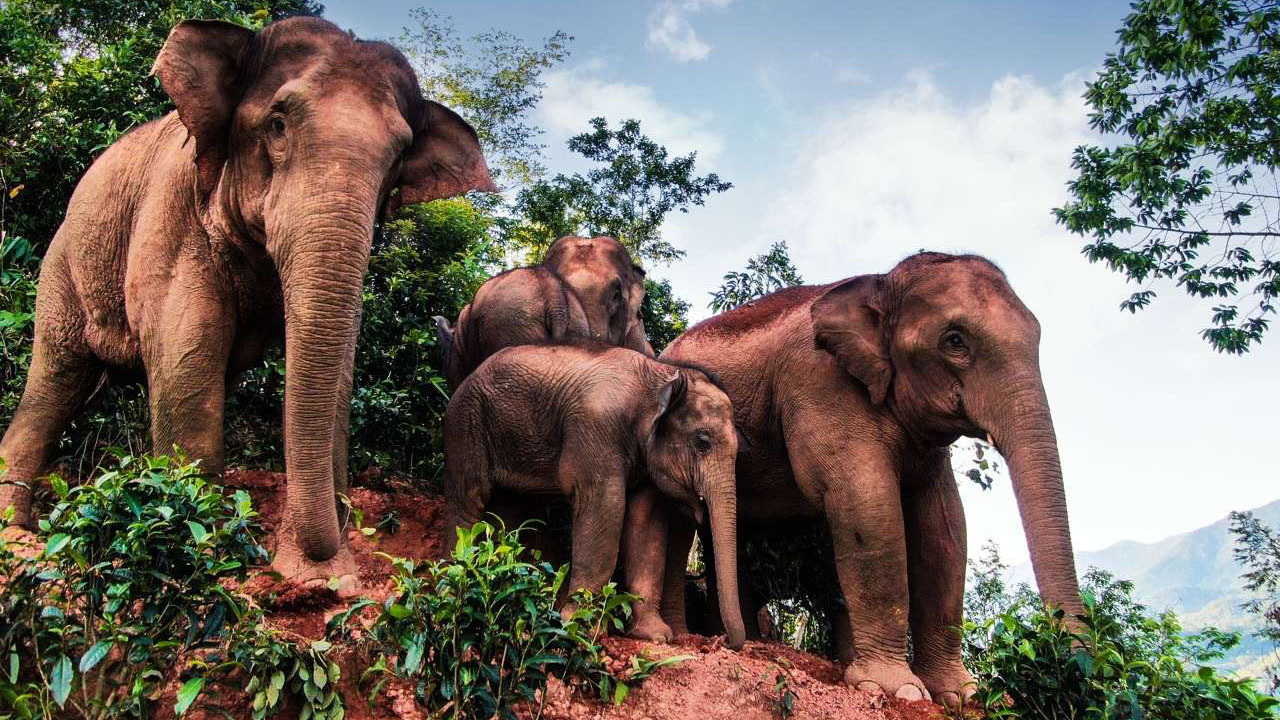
x=276 y=124
x=702 y=442
x=953 y=343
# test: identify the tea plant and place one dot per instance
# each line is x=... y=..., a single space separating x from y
x=1032 y=664
x=130 y=577
x=268 y=664
x=479 y=632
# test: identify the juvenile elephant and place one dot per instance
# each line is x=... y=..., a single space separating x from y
x=851 y=393
x=244 y=216
x=585 y=288
x=604 y=427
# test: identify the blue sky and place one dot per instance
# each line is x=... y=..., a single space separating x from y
x=860 y=132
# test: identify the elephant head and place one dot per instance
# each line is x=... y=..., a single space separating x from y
x=944 y=342
x=690 y=454
x=608 y=284
x=303 y=136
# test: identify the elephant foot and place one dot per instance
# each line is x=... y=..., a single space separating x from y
x=649 y=626
x=339 y=573
x=951 y=686
x=885 y=678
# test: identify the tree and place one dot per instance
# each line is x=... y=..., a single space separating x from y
x=765 y=273
x=1258 y=551
x=665 y=315
x=1189 y=193
x=493 y=80
x=628 y=196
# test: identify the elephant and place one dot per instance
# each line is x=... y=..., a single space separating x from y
x=605 y=427
x=243 y=217
x=584 y=288
x=852 y=393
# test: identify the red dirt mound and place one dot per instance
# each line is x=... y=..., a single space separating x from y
x=714 y=683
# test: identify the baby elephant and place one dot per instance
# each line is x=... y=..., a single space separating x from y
x=602 y=426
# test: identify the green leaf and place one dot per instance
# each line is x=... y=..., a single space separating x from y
x=620 y=693
x=60 y=680
x=319 y=677
x=198 y=531
x=55 y=544
x=94 y=655
x=187 y=694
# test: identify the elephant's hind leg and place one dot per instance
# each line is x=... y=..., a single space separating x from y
x=936 y=547
x=59 y=383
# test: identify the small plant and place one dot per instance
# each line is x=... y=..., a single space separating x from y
x=784 y=700
x=129 y=578
x=268 y=664
x=479 y=632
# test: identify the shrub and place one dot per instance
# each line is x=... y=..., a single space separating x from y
x=1119 y=661
x=129 y=582
x=479 y=632
x=129 y=579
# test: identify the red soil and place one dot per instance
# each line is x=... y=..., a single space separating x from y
x=715 y=683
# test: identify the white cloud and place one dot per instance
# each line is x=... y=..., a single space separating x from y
x=574 y=96
x=1158 y=434
x=852 y=76
x=670 y=30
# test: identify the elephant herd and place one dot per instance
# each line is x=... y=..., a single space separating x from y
x=247 y=215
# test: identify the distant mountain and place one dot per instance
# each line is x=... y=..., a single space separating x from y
x=1194 y=574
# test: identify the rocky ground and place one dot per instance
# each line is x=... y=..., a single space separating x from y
x=763 y=680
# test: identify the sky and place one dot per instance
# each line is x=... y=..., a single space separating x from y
x=861 y=132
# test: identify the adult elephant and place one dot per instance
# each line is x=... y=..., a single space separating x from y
x=851 y=393
x=584 y=289
x=247 y=214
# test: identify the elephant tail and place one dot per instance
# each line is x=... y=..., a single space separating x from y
x=449 y=342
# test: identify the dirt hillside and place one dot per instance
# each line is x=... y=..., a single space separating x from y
x=716 y=683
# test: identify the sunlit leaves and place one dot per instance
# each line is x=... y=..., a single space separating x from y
x=1188 y=193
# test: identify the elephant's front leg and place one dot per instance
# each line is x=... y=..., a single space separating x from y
x=855 y=481
x=186 y=353
x=599 y=507
x=645 y=549
x=936 y=555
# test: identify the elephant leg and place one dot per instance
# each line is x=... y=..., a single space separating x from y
x=936 y=555
x=680 y=532
x=599 y=509
x=59 y=382
x=645 y=548
x=187 y=355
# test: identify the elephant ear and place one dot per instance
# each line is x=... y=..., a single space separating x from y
x=445 y=159
x=199 y=68
x=671 y=396
x=848 y=322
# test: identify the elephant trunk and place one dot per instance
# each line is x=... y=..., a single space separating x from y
x=322 y=260
x=722 y=503
x=1025 y=436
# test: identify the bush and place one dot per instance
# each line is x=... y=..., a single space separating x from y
x=1119 y=661
x=129 y=578
x=479 y=632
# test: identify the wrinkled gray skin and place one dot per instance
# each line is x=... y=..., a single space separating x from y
x=603 y=427
x=584 y=289
x=851 y=393
x=247 y=215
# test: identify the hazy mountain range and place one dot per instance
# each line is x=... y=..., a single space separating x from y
x=1193 y=574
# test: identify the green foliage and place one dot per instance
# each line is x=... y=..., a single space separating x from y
x=1258 y=551
x=665 y=315
x=635 y=186
x=130 y=577
x=791 y=568
x=765 y=273
x=479 y=632
x=276 y=665
x=1118 y=660
x=1187 y=193
x=18 y=266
